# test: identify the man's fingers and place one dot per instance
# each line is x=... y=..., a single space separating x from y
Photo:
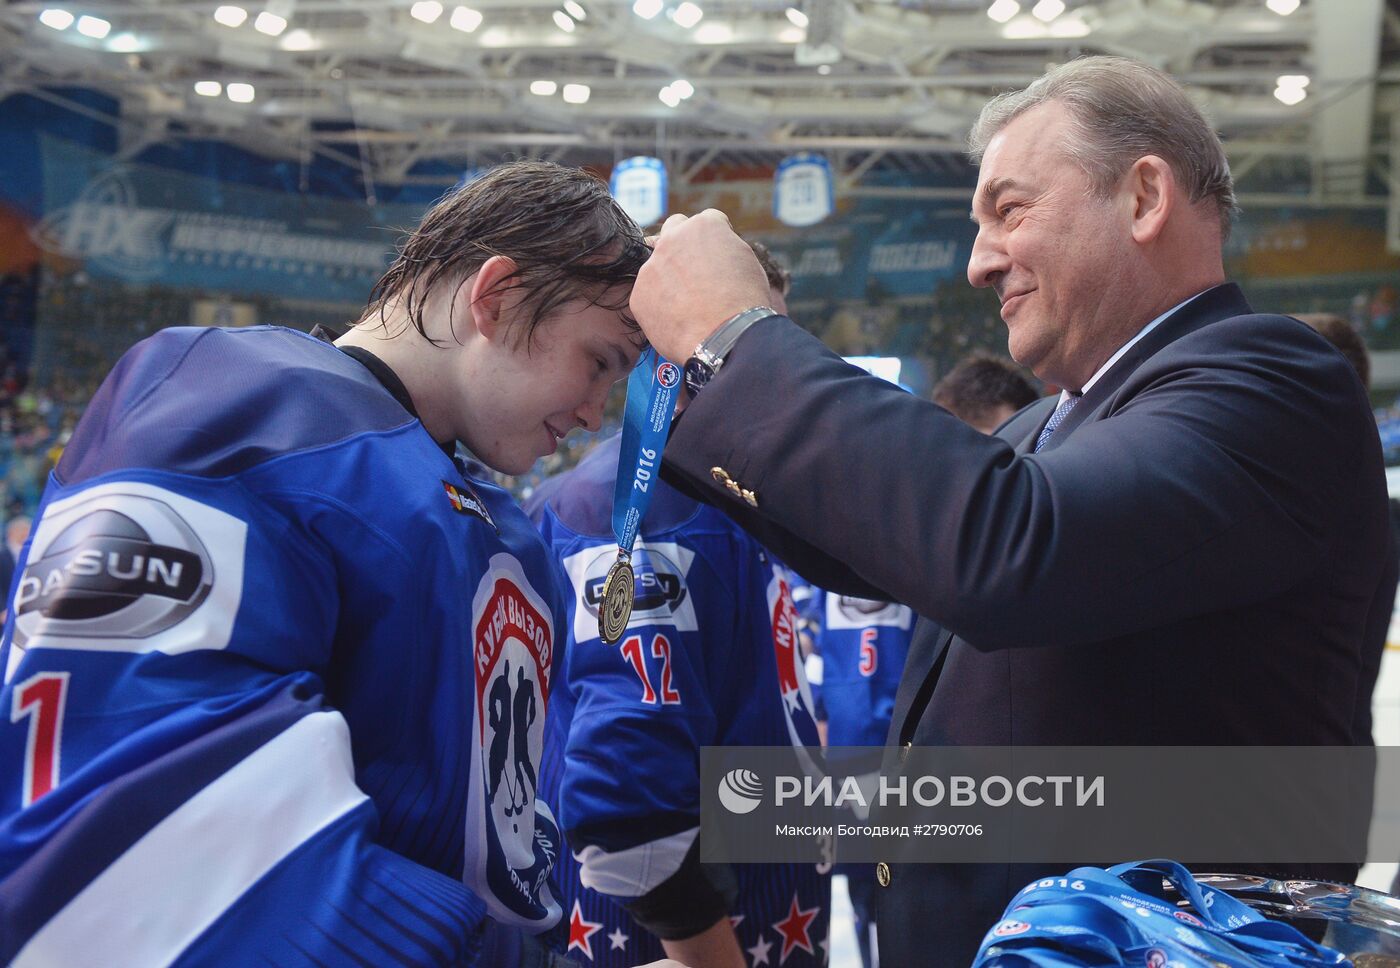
x=672 y=223
x=713 y=213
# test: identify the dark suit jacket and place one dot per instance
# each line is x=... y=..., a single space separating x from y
x=1190 y=560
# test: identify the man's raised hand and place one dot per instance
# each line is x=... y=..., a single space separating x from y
x=700 y=273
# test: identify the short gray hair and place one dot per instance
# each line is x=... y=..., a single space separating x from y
x=1121 y=110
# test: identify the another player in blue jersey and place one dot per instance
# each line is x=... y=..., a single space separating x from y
x=709 y=658
x=277 y=668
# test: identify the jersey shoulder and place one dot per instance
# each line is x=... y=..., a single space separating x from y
x=215 y=402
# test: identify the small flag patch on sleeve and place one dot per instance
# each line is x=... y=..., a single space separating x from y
x=465 y=501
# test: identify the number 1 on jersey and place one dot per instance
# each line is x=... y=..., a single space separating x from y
x=42 y=698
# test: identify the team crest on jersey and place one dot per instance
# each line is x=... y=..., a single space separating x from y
x=465 y=501
x=130 y=567
x=513 y=635
x=661 y=596
x=798 y=707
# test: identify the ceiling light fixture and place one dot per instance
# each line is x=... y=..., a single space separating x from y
x=1048 y=10
x=798 y=18
x=427 y=11
x=543 y=88
x=576 y=93
x=1292 y=88
x=269 y=23
x=57 y=18
x=576 y=10
x=230 y=16
x=208 y=88
x=94 y=27
x=465 y=19
x=564 y=22
x=1003 y=10
x=687 y=15
x=300 y=39
x=647 y=9
x=1282 y=7
x=240 y=93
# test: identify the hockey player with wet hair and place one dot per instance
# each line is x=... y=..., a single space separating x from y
x=277 y=666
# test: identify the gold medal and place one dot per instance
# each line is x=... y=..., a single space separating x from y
x=616 y=608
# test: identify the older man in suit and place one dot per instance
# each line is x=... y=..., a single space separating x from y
x=1183 y=548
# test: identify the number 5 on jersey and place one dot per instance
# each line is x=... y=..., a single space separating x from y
x=869 y=657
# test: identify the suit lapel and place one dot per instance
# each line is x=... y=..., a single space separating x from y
x=926 y=650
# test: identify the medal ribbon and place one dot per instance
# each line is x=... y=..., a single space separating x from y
x=651 y=400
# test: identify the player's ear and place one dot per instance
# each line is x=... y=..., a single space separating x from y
x=489 y=296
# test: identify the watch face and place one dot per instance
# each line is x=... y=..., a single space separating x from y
x=697 y=374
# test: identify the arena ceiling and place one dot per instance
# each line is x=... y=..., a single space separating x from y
x=874 y=84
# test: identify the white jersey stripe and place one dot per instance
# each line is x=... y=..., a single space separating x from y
x=203 y=857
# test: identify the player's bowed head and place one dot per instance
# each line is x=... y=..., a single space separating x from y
x=505 y=313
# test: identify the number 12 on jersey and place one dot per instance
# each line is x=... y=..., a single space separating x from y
x=661 y=649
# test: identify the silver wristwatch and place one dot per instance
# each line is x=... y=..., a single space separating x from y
x=709 y=355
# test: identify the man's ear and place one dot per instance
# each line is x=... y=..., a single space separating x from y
x=1154 y=193
x=488 y=296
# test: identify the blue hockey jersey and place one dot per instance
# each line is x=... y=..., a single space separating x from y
x=863 y=645
x=709 y=658
x=276 y=677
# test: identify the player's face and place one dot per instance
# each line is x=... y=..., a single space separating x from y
x=537 y=392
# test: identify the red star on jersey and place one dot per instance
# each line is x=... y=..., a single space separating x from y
x=793 y=928
x=581 y=930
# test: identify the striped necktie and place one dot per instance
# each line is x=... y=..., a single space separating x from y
x=1057 y=418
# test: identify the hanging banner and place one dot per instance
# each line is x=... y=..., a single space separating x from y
x=803 y=190
x=147 y=225
x=639 y=185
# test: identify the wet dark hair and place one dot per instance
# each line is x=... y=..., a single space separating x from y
x=566 y=235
